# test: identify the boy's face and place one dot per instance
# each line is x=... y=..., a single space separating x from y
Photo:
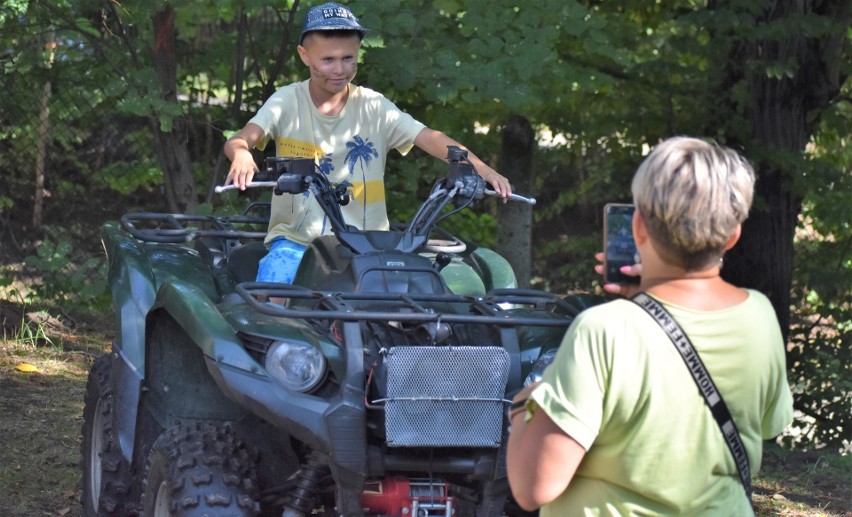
x=333 y=61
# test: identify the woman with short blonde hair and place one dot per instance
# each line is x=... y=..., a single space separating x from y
x=693 y=195
x=617 y=425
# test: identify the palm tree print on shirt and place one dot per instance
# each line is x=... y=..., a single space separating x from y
x=360 y=151
x=325 y=167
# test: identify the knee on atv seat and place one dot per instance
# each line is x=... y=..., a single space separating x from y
x=243 y=261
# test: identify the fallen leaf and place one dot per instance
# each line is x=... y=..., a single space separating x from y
x=26 y=367
x=779 y=497
x=63 y=511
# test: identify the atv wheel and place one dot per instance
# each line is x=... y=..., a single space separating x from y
x=106 y=474
x=197 y=470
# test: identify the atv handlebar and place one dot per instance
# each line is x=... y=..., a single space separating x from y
x=461 y=187
x=272 y=184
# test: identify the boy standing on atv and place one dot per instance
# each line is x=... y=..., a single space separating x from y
x=347 y=129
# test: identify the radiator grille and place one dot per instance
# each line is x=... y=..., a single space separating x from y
x=445 y=396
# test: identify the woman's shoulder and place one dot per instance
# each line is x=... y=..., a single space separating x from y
x=757 y=297
x=607 y=313
x=759 y=304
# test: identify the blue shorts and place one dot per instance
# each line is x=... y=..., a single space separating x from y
x=281 y=261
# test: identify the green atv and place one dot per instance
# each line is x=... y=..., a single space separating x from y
x=376 y=384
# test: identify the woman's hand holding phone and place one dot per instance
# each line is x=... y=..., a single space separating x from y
x=626 y=290
x=619 y=266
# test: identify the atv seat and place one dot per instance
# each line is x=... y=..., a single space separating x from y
x=243 y=261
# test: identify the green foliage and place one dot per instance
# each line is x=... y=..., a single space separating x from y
x=821 y=376
x=472 y=223
x=12 y=9
x=32 y=333
x=125 y=178
x=605 y=80
x=480 y=228
x=66 y=275
x=820 y=355
x=5 y=202
x=565 y=265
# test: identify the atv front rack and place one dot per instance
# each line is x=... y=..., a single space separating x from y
x=543 y=309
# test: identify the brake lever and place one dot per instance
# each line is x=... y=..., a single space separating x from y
x=513 y=197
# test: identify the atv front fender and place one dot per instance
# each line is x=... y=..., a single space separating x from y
x=133 y=289
x=334 y=425
x=202 y=320
x=137 y=271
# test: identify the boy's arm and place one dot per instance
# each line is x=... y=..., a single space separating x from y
x=435 y=143
x=238 y=150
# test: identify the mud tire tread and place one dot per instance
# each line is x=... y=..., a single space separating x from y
x=207 y=470
x=114 y=497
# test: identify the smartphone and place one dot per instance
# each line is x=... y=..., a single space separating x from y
x=619 y=248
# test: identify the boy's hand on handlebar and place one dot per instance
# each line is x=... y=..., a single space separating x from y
x=619 y=289
x=498 y=182
x=243 y=169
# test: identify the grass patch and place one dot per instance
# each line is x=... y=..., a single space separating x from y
x=804 y=483
x=44 y=362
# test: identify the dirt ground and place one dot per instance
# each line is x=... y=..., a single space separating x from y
x=41 y=415
x=40 y=434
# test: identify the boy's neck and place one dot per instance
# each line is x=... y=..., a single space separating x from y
x=327 y=103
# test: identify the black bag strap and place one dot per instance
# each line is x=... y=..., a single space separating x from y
x=705 y=384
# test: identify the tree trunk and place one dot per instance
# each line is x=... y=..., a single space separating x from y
x=41 y=147
x=514 y=220
x=777 y=110
x=239 y=73
x=171 y=144
x=283 y=52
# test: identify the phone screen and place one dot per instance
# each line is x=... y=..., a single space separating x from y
x=620 y=250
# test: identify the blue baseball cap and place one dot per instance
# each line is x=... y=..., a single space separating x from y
x=331 y=16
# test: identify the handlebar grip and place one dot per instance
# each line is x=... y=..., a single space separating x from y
x=252 y=184
x=513 y=197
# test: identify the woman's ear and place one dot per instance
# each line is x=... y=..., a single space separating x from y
x=734 y=237
x=640 y=231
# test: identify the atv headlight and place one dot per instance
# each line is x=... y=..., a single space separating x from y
x=538 y=367
x=298 y=366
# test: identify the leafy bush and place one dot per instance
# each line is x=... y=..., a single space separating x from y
x=820 y=368
x=66 y=274
x=820 y=344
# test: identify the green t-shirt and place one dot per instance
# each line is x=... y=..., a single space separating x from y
x=350 y=146
x=620 y=388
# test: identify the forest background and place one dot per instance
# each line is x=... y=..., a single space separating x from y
x=112 y=106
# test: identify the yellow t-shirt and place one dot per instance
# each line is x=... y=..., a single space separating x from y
x=620 y=388
x=350 y=146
